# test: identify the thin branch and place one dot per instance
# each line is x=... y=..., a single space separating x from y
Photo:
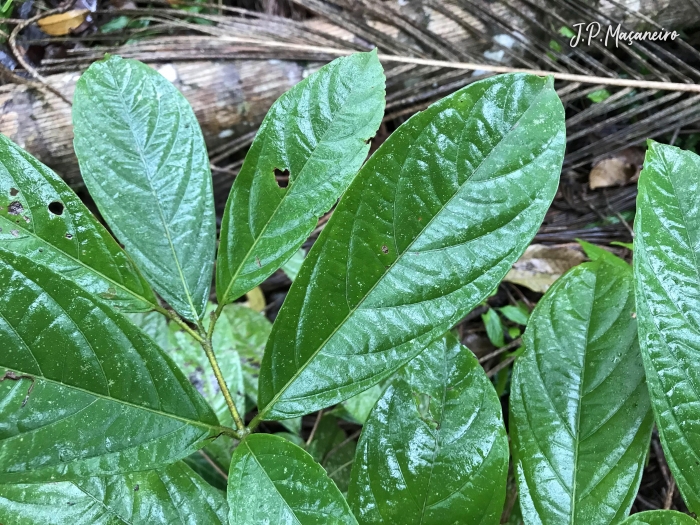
x=669 y=494
x=213 y=464
x=313 y=430
x=584 y=79
x=500 y=366
x=12 y=41
x=499 y=351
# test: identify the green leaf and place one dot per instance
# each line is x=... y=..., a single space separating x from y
x=144 y=161
x=430 y=225
x=318 y=132
x=174 y=494
x=41 y=218
x=274 y=481
x=358 y=407
x=659 y=517
x=85 y=392
x=154 y=325
x=208 y=468
x=435 y=462
x=667 y=277
x=580 y=412
x=599 y=95
x=518 y=314
x=293 y=265
x=494 y=328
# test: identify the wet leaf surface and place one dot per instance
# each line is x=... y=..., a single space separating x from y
x=96 y=396
x=54 y=228
x=455 y=194
x=667 y=277
x=274 y=481
x=143 y=158
x=173 y=494
x=318 y=133
x=434 y=449
x=581 y=418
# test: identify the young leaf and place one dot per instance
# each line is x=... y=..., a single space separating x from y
x=318 y=133
x=174 y=494
x=667 y=277
x=41 y=218
x=660 y=517
x=430 y=225
x=293 y=265
x=518 y=314
x=444 y=461
x=144 y=161
x=494 y=327
x=83 y=391
x=358 y=407
x=580 y=412
x=274 y=481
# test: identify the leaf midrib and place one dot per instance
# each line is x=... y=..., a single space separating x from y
x=148 y=173
x=286 y=194
x=78 y=262
x=275 y=398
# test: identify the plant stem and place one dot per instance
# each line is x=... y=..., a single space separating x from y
x=182 y=324
x=240 y=425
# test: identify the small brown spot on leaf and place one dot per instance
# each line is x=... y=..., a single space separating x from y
x=15 y=208
x=9 y=374
x=385 y=249
x=69 y=235
x=15 y=233
x=136 y=488
x=13 y=192
x=257 y=260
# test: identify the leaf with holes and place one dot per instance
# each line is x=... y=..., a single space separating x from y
x=144 y=161
x=84 y=392
x=580 y=412
x=41 y=218
x=667 y=277
x=428 y=228
x=434 y=449
x=318 y=133
x=274 y=481
x=659 y=517
x=173 y=494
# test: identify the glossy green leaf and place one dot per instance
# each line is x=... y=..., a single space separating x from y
x=580 y=412
x=334 y=451
x=434 y=449
x=174 y=494
x=667 y=277
x=358 y=407
x=274 y=481
x=660 y=517
x=518 y=314
x=85 y=392
x=428 y=228
x=494 y=327
x=318 y=133
x=206 y=466
x=143 y=158
x=41 y=218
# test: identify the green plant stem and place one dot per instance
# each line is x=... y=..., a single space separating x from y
x=179 y=321
x=204 y=337
x=240 y=425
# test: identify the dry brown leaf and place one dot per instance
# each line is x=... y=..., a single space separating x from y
x=63 y=24
x=611 y=172
x=541 y=265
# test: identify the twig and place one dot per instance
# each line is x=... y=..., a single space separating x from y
x=341 y=445
x=213 y=464
x=669 y=494
x=584 y=79
x=313 y=430
x=499 y=351
x=500 y=366
x=42 y=83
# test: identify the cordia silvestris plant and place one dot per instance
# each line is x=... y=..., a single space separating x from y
x=124 y=389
